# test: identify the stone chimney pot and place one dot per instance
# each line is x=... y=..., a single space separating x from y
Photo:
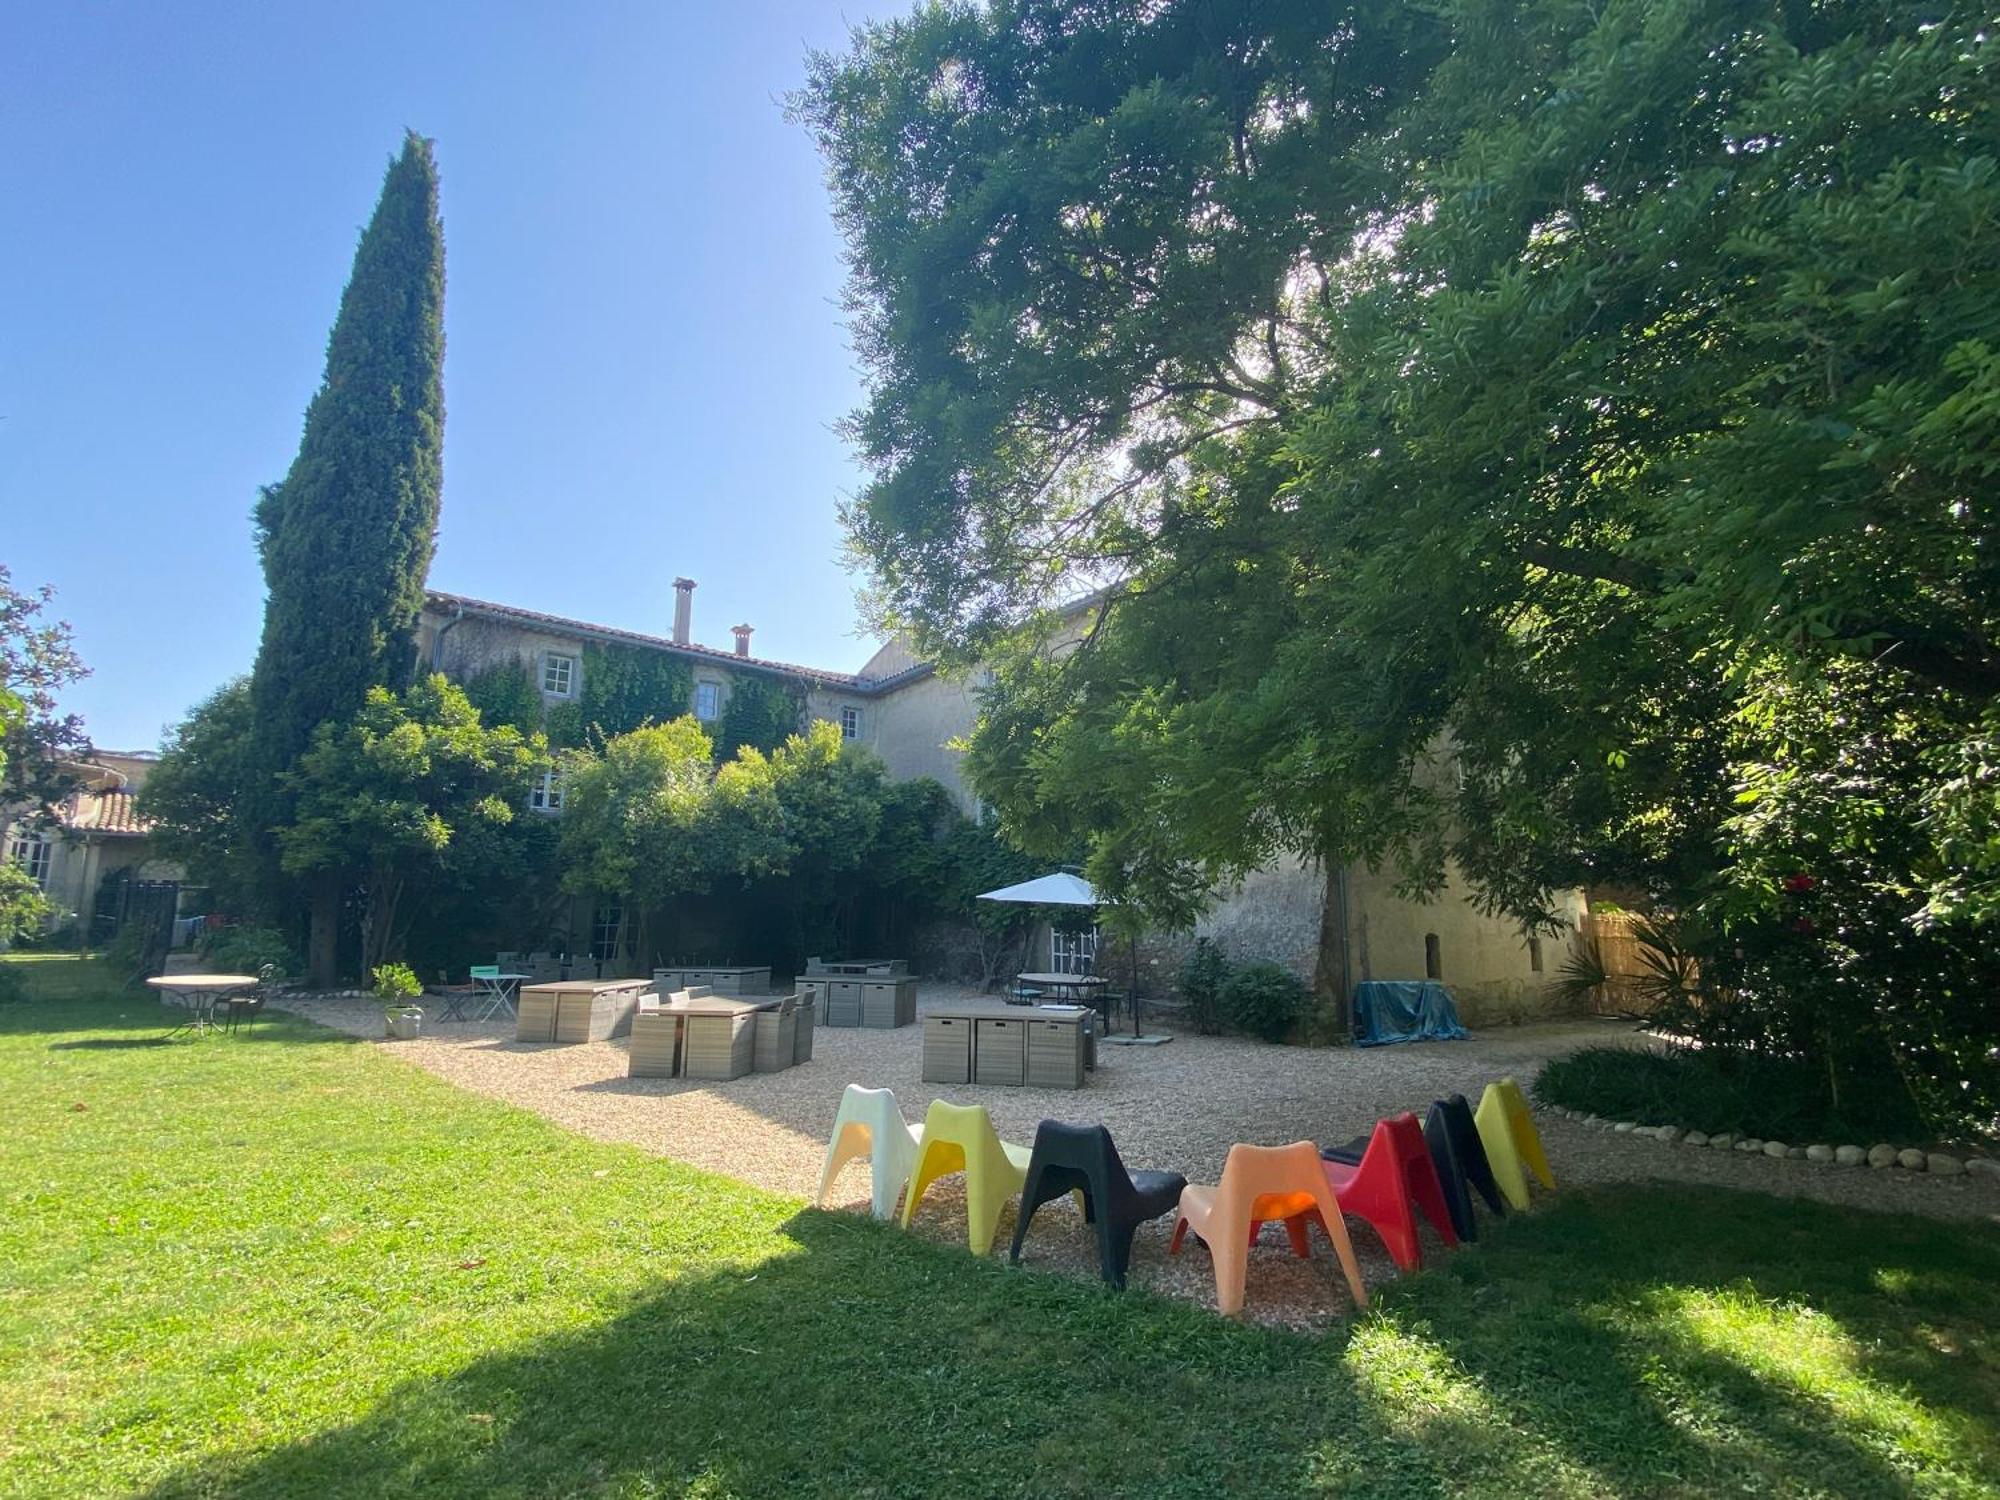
x=683 y=609
x=742 y=634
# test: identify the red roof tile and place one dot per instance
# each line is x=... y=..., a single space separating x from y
x=106 y=812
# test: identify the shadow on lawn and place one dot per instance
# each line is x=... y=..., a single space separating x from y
x=857 y=1360
x=116 y=1022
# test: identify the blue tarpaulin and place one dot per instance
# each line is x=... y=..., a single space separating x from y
x=1404 y=1010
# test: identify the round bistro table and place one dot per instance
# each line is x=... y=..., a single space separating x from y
x=200 y=994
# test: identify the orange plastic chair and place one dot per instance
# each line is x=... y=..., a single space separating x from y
x=1507 y=1130
x=1394 y=1179
x=961 y=1138
x=1261 y=1184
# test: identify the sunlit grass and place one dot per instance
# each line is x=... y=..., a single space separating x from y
x=292 y=1265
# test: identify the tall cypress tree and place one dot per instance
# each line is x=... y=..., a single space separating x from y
x=347 y=536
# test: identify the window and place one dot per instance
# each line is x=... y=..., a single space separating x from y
x=707 y=700
x=1072 y=952
x=1535 y=955
x=1433 y=957
x=31 y=852
x=559 y=676
x=547 y=794
x=604 y=931
x=850 y=722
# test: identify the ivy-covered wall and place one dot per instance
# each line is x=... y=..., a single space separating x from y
x=623 y=687
x=761 y=711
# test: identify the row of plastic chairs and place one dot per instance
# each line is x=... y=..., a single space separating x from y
x=1387 y=1178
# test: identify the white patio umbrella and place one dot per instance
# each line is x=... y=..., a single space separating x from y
x=1059 y=889
x=1064 y=888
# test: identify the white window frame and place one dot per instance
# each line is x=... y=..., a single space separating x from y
x=546 y=796
x=34 y=853
x=850 y=721
x=561 y=663
x=1072 y=952
x=713 y=692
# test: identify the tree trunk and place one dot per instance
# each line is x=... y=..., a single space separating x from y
x=323 y=941
x=1333 y=968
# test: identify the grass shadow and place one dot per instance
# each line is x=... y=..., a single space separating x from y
x=858 y=1360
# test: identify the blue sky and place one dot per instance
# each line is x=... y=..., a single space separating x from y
x=645 y=350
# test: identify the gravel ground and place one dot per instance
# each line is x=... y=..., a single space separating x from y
x=1178 y=1106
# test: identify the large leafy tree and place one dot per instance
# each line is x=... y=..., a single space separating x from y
x=347 y=535
x=194 y=797
x=38 y=659
x=397 y=798
x=1522 y=436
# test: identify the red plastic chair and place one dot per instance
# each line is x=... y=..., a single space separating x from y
x=1396 y=1180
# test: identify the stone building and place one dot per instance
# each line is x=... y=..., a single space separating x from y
x=95 y=841
x=1332 y=928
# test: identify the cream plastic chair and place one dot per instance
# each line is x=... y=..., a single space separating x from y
x=870 y=1123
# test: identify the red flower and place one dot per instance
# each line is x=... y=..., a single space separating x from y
x=1800 y=883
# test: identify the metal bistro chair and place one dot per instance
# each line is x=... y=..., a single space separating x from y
x=246 y=1008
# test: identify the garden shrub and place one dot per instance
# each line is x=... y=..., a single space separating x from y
x=396 y=983
x=126 y=955
x=1264 y=999
x=1202 y=978
x=13 y=984
x=1777 y=1098
x=245 y=950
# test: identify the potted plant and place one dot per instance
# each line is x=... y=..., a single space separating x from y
x=396 y=985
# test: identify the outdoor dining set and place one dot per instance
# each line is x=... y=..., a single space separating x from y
x=1401 y=1170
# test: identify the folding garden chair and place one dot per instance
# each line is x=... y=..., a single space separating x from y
x=961 y=1138
x=870 y=1123
x=1083 y=1160
x=1260 y=1184
x=247 y=1007
x=1394 y=1181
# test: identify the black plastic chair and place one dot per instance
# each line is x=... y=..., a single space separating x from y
x=1451 y=1119
x=1081 y=1158
x=1457 y=1154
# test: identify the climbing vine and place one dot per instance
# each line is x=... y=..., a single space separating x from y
x=762 y=711
x=623 y=688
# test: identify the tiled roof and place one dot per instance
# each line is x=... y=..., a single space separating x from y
x=106 y=812
x=583 y=628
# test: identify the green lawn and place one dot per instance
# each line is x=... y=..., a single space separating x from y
x=293 y=1266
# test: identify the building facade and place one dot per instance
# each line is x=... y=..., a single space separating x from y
x=1332 y=928
x=95 y=840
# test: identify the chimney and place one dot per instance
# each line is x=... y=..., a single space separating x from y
x=742 y=634
x=683 y=609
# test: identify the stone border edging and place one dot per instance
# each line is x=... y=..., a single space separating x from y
x=1909 y=1159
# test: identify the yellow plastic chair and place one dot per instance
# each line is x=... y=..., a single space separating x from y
x=1507 y=1131
x=961 y=1138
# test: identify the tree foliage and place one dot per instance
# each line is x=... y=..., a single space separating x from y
x=396 y=798
x=1530 y=438
x=762 y=712
x=346 y=537
x=38 y=659
x=196 y=794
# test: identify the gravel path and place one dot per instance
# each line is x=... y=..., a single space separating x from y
x=1177 y=1106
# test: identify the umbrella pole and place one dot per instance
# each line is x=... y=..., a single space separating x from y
x=1133 y=941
